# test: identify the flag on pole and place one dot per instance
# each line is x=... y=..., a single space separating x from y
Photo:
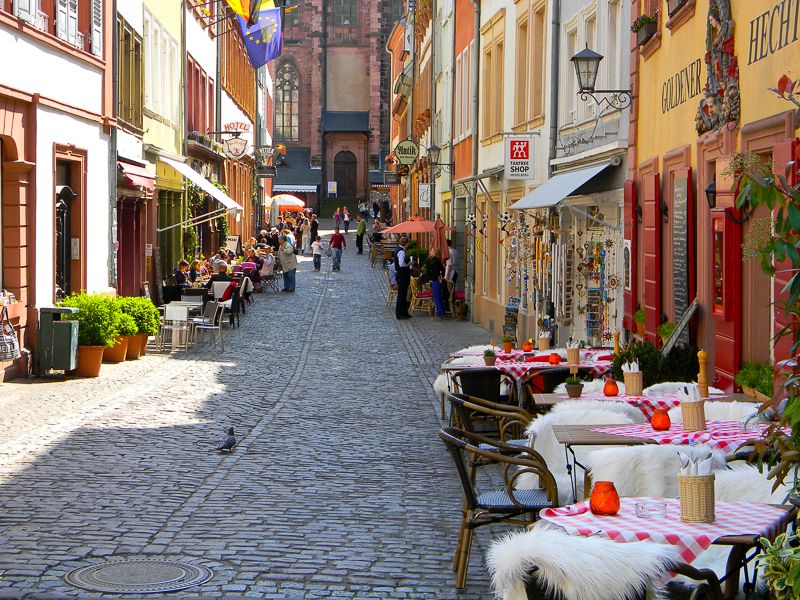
x=263 y=38
x=249 y=9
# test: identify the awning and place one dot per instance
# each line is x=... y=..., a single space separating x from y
x=558 y=187
x=204 y=184
x=294 y=188
x=136 y=176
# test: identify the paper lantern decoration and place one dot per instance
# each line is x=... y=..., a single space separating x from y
x=610 y=388
x=660 y=420
x=604 y=499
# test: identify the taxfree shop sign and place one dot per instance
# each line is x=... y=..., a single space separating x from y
x=519 y=158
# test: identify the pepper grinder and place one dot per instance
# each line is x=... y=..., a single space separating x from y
x=702 y=376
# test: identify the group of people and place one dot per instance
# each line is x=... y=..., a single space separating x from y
x=436 y=272
x=301 y=230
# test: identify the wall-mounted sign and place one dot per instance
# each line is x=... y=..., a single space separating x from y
x=682 y=86
x=519 y=157
x=333 y=188
x=424 y=195
x=232 y=243
x=236 y=127
x=406 y=152
x=773 y=30
x=235 y=146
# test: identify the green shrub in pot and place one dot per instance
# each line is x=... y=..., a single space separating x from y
x=143 y=312
x=97 y=317
x=127 y=325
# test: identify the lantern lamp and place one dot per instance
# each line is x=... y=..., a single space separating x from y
x=587 y=64
x=711 y=194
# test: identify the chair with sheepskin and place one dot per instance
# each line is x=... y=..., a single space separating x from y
x=547 y=562
x=507 y=504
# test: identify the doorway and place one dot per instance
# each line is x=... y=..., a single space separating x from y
x=344 y=173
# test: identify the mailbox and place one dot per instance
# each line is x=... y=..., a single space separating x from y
x=57 y=340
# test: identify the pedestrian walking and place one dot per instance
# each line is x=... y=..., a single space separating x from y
x=317 y=250
x=402 y=267
x=337 y=245
x=314 y=227
x=337 y=217
x=451 y=268
x=362 y=209
x=305 y=236
x=288 y=263
x=346 y=219
x=434 y=271
x=361 y=231
x=376 y=209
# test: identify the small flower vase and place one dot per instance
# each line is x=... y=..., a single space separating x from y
x=604 y=499
x=507 y=347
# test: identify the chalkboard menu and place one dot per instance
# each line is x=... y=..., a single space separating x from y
x=680 y=249
x=512 y=316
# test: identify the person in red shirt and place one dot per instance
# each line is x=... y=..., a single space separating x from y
x=337 y=245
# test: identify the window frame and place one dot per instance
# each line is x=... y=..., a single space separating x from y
x=281 y=104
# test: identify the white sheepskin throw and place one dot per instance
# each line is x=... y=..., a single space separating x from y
x=720 y=411
x=545 y=443
x=743 y=483
x=623 y=408
x=671 y=387
x=645 y=470
x=440 y=385
x=575 y=567
x=589 y=387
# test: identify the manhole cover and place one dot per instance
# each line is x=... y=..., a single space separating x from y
x=138 y=576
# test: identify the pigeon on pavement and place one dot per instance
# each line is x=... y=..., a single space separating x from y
x=228 y=442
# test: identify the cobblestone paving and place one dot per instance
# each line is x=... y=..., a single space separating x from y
x=339 y=487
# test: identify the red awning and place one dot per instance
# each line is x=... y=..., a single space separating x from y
x=136 y=176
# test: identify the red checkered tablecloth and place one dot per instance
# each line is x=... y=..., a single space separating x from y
x=647 y=404
x=724 y=435
x=690 y=539
x=526 y=370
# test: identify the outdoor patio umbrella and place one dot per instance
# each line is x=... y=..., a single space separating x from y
x=413 y=225
x=440 y=239
x=289 y=202
x=274 y=212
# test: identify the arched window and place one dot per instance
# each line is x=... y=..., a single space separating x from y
x=287 y=104
x=345 y=12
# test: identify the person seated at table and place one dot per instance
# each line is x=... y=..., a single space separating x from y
x=433 y=274
x=263 y=239
x=274 y=239
x=377 y=236
x=252 y=257
x=196 y=271
x=220 y=256
x=220 y=275
x=392 y=275
x=181 y=274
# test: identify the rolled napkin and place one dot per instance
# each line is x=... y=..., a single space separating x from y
x=631 y=367
x=692 y=408
x=573 y=344
x=696 y=488
x=696 y=465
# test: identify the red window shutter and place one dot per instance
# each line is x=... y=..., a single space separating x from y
x=782 y=155
x=651 y=200
x=629 y=278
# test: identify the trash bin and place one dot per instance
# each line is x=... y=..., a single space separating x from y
x=56 y=340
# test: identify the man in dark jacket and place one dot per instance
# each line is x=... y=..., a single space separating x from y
x=314 y=228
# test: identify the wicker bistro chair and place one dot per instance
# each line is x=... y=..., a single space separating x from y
x=502 y=505
x=511 y=422
x=484 y=383
x=391 y=290
x=421 y=298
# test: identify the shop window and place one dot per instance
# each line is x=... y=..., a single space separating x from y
x=287 y=104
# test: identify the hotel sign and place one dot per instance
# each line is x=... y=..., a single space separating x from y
x=682 y=86
x=774 y=29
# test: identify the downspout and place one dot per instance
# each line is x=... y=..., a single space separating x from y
x=475 y=88
x=324 y=76
x=112 y=171
x=432 y=210
x=410 y=121
x=184 y=124
x=555 y=42
x=218 y=106
x=452 y=112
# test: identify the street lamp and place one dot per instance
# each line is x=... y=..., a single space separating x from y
x=434 y=153
x=711 y=194
x=587 y=65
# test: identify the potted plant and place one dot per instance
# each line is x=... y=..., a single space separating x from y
x=746 y=378
x=574 y=386
x=508 y=344
x=780 y=561
x=765 y=383
x=674 y=6
x=645 y=27
x=147 y=319
x=97 y=319
x=489 y=357
x=638 y=319
x=665 y=331
x=127 y=329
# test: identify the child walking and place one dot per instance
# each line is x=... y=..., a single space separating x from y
x=317 y=250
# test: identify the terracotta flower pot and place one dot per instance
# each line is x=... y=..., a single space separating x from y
x=143 y=343
x=640 y=330
x=117 y=352
x=574 y=390
x=134 y=347
x=489 y=360
x=90 y=359
x=507 y=347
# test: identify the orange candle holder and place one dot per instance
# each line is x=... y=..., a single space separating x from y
x=610 y=388
x=555 y=359
x=660 y=420
x=604 y=499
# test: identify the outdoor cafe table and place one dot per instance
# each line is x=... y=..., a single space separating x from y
x=647 y=403
x=737 y=524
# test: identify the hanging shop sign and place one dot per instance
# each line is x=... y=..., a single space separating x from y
x=519 y=158
x=406 y=152
x=424 y=195
x=235 y=146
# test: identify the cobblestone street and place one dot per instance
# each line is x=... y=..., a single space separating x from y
x=339 y=486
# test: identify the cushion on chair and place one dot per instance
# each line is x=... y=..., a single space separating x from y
x=459 y=295
x=536 y=498
x=228 y=293
x=425 y=294
x=519 y=442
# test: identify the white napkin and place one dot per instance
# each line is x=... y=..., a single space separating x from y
x=695 y=465
x=689 y=393
x=631 y=367
x=544 y=335
x=572 y=345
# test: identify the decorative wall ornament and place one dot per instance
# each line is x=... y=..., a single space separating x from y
x=721 y=103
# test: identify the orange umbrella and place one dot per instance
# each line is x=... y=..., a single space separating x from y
x=413 y=225
x=440 y=239
x=289 y=202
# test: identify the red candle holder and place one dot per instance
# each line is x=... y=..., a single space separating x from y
x=610 y=388
x=555 y=359
x=660 y=420
x=604 y=499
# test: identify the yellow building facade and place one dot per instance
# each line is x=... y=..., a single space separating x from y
x=702 y=83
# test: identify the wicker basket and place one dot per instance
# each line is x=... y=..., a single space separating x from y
x=574 y=356
x=633 y=383
x=694 y=415
x=544 y=344
x=696 y=493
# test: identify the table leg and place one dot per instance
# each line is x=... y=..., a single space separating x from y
x=732 y=568
x=571 y=472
